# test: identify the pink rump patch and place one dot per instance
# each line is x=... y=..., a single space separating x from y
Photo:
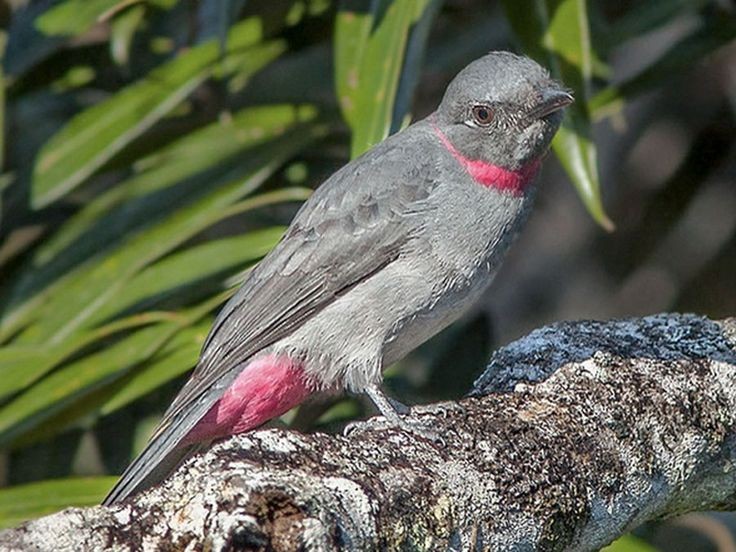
x=267 y=387
x=490 y=175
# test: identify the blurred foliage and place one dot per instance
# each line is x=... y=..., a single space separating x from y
x=45 y=497
x=153 y=150
x=629 y=543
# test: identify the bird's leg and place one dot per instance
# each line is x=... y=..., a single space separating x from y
x=388 y=407
x=392 y=411
x=391 y=408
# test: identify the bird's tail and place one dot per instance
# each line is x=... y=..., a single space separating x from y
x=278 y=382
x=148 y=469
x=163 y=453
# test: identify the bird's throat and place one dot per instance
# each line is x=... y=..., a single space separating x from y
x=490 y=175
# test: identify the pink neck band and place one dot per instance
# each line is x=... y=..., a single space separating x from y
x=490 y=175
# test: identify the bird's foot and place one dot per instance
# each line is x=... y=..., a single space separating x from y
x=407 y=424
x=395 y=415
x=445 y=410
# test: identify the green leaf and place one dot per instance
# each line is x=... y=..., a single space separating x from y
x=122 y=30
x=20 y=365
x=176 y=358
x=188 y=267
x=77 y=300
x=68 y=384
x=370 y=48
x=75 y=77
x=162 y=4
x=629 y=543
x=557 y=36
x=341 y=411
x=93 y=136
x=83 y=385
x=80 y=387
x=415 y=51
x=24 y=502
x=160 y=209
x=214 y=17
x=352 y=30
x=193 y=154
x=14 y=367
x=72 y=17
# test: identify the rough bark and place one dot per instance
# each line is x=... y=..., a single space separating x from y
x=572 y=436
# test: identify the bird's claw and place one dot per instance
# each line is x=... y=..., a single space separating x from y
x=396 y=415
x=404 y=423
x=353 y=427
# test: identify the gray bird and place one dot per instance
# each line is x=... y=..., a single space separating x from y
x=391 y=249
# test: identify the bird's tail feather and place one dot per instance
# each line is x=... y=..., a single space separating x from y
x=150 y=468
x=163 y=453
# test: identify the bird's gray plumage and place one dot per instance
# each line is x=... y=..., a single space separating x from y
x=387 y=252
x=304 y=273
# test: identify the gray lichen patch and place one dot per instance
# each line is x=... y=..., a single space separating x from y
x=663 y=337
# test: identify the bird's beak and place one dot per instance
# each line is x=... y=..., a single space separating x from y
x=551 y=100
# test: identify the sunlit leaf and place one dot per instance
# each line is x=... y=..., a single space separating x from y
x=55 y=392
x=75 y=77
x=188 y=267
x=415 y=51
x=72 y=17
x=34 y=500
x=167 y=228
x=176 y=358
x=21 y=365
x=81 y=387
x=379 y=76
x=341 y=411
x=122 y=30
x=50 y=403
x=214 y=17
x=370 y=45
x=352 y=29
x=246 y=62
x=77 y=300
x=555 y=33
x=163 y=4
x=193 y=154
x=14 y=364
x=96 y=134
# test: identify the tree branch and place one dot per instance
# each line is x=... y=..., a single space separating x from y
x=572 y=436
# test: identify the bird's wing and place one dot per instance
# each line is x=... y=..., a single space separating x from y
x=352 y=227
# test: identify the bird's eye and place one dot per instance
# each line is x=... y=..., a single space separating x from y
x=482 y=114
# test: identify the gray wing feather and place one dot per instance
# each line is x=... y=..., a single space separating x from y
x=351 y=228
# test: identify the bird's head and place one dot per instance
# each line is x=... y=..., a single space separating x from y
x=502 y=110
